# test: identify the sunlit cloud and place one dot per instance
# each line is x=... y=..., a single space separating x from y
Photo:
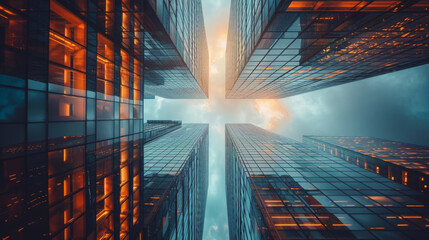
x=275 y=114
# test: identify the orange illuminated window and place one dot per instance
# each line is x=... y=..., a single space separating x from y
x=104 y=187
x=66 y=109
x=136 y=214
x=65 y=23
x=124 y=157
x=124 y=174
x=107 y=16
x=124 y=229
x=136 y=182
x=66 y=212
x=404 y=177
x=380 y=6
x=14 y=28
x=67 y=41
x=138 y=35
x=105 y=66
x=124 y=192
x=299 y=6
x=126 y=24
x=104 y=218
x=61 y=186
x=125 y=74
x=63 y=160
x=63 y=107
x=66 y=81
x=105 y=90
x=125 y=94
x=66 y=52
x=136 y=97
x=124 y=210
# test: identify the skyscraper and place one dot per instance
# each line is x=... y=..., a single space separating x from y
x=401 y=162
x=175 y=183
x=282 y=48
x=71 y=119
x=282 y=189
x=176 y=51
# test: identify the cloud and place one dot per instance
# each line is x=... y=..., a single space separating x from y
x=391 y=106
x=274 y=112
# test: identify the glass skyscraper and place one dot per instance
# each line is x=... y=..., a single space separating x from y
x=176 y=51
x=404 y=163
x=282 y=189
x=175 y=183
x=71 y=88
x=280 y=48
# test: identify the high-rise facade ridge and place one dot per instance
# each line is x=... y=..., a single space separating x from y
x=282 y=189
x=281 y=48
x=175 y=183
x=401 y=162
x=154 y=129
x=176 y=50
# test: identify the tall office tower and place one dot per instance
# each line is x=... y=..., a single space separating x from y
x=404 y=163
x=176 y=51
x=175 y=183
x=278 y=188
x=281 y=48
x=71 y=119
x=156 y=128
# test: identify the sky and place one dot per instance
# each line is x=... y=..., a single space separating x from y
x=393 y=106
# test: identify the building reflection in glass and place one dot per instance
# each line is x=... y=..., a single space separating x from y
x=281 y=189
x=175 y=182
x=71 y=81
x=401 y=162
x=279 y=49
x=154 y=129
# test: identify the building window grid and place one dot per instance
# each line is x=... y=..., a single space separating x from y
x=380 y=155
x=268 y=85
x=76 y=227
x=162 y=181
x=357 y=176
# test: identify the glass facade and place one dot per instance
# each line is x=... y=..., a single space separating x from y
x=280 y=48
x=404 y=163
x=176 y=51
x=175 y=183
x=156 y=128
x=282 y=189
x=71 y=119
